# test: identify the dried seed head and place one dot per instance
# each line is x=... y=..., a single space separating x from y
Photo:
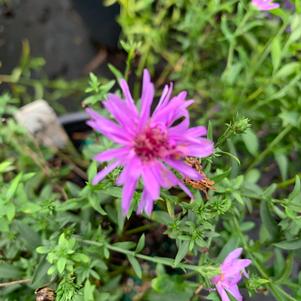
x=205 y=184
x=45 y=294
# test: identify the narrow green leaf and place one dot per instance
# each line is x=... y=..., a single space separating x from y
x=251 y=142
x=289 y=245
x=268 y=221
x=30 y=237
x=13 y=186
x=136 y=266
x=115 y=71
x=182 y=251
x=276 y=52
x=140 y=244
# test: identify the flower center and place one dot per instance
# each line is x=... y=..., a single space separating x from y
x=152 y=143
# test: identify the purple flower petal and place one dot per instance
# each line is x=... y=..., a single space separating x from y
x=111 y=154
x=233 y=255
x=102 y=174
x=151 y=182
x=146 y=98
x=146 y=203
x=127 y=194
x=146 y=144
x=234 y=291
x=222 y=293
x=184 y=169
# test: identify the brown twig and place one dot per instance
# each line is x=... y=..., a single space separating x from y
x=22 y=281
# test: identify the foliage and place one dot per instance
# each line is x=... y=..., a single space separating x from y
x=58 y=230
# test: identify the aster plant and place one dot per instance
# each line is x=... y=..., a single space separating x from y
x=265 y=4
x=232 y=270
x=150 y=144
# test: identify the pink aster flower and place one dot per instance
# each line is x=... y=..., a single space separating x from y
x=265 y=4
x=232 y=270
x=149 y=144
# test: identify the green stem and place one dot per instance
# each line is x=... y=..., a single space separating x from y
x=288 y=182
x=271 y=146
x=141 y=229
x=262 y=57
x=233 y=41
x=275 y=289
x=204 y=270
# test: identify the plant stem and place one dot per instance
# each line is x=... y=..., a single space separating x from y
x=22 y=281
x=204 y=270
x=271 y=146
x=141 y=228
x=275 y=289
x=288 y=182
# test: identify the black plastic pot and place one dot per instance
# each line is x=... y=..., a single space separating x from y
x=100 y=21
x=76 y=127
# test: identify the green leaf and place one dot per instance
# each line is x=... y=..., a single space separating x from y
x=282 y=162
x=8 y=271
x=10 y=211
x=40 y=274
x=289 y=245
x=140 y=244
x=95 y=204
x=61 y=263
x=116 y=72
x=231 y=244
x=182 y=251
x=297 y=189
x=30 y=237
x=276 y=52
x=80 y=257
x=13 y=186
x=161 y=217
x=89 y=291
x=286 y=271
x=126 y=245
x=136 y=266
x=92 y=170
x=42 y=250
x=251 y=142
x=6 y=166
x=287 y=70
x=267 y=220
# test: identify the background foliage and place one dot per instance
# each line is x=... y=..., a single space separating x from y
x=243 y=68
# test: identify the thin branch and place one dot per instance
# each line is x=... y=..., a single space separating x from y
x=22 y=281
